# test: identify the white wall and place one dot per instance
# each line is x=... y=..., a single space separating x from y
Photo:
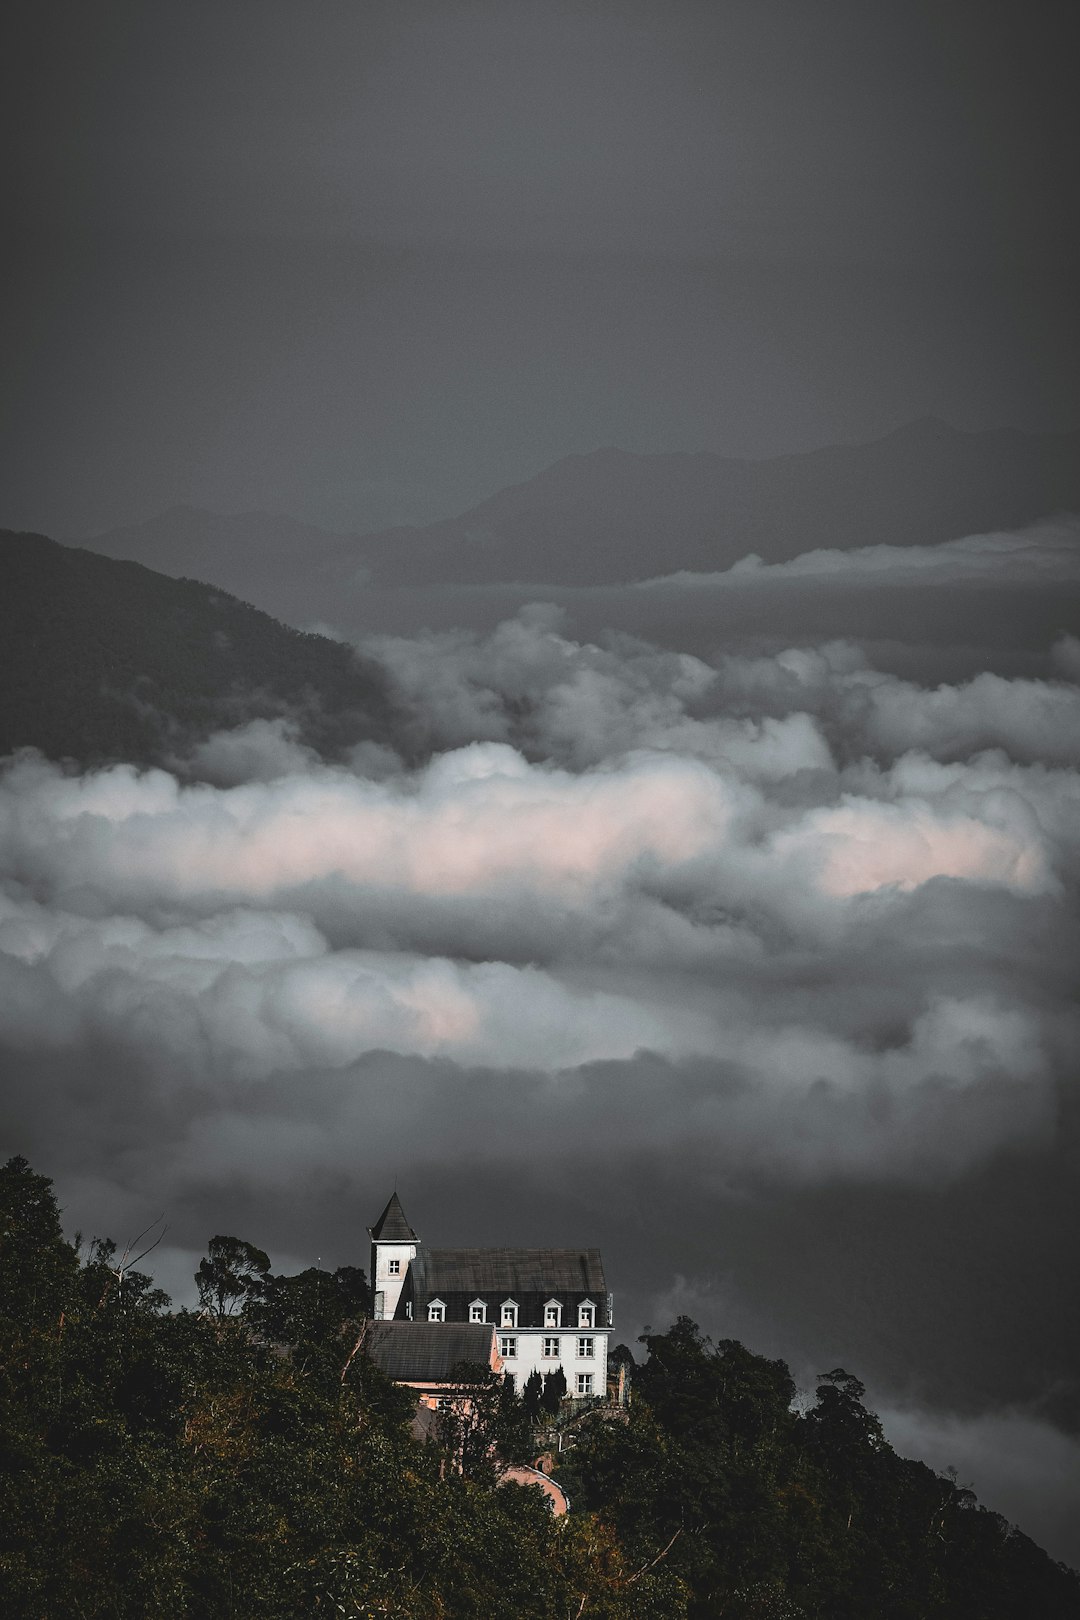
x=383 y=1281
x=530 y=1357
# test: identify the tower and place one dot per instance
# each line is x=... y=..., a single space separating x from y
x=393 y=1245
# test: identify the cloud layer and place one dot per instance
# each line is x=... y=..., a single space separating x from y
x=762 y=934
x=644 y=853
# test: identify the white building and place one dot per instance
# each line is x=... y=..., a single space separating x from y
x=550 y=1307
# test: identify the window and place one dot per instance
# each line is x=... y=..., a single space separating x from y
x=584 y=1383
x=553 y=1314
x=509 y=1317
x=443 y=1403
x=393 y=1268
x=508 y=1347
x=551 y=1349
x=585 y=1348
x=477 y=1311
x=408 y=1310
x=586 y=1316
x=436 y=1311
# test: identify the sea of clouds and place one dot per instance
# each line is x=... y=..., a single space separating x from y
x=765 y=924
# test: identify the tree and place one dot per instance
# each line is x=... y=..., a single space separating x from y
x=554 y=1391
x=37 y=1266
x=533 y=1394
x=233 y=1274
x=485 y=1424
x=704 y=1456
x=311 y=1311
x=840 y=1422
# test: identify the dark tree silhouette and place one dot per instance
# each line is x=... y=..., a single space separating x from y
x=234 y=1275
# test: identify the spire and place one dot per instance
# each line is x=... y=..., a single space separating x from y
x=391 y=1226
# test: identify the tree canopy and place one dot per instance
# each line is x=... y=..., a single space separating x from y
x=248 y=1460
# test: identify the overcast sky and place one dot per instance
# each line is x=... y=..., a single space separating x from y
x=369 y=262
x=749 y=963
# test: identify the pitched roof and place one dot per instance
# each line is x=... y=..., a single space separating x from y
x=510 y=1272
x=391 y=1226
x=427 y=1352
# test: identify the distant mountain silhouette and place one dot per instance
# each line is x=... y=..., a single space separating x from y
x=103 y=660
x=615 y=516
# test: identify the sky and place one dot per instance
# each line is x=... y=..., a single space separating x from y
x=369 y=263
x=746 y=959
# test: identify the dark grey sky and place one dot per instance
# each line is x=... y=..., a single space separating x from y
x=369 y=262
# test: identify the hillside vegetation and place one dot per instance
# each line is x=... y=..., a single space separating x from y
x=104 y=660
x=244 y=1462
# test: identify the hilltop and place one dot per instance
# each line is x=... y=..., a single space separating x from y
x=106 y=660
x=251 y=1460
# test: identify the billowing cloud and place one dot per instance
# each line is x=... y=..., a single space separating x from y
x=263 y=993
x=481 y=830
x=579 y=703
x=258 y=750
x=665 y=896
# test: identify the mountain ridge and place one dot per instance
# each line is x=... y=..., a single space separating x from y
x=103 y=660
x=597 y=519
x=613 y=516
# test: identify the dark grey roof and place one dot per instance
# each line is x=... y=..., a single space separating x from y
x=391 y=1226
x=512 y=1273
x=427 y=1352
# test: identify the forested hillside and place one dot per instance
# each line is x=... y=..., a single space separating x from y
x=242 y=1461
x=105 y=660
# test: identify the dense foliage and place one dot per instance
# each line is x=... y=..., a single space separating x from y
x=246 y=1461
x=103 y=660
x=773 y=1514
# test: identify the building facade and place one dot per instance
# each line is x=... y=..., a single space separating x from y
x=550 y=1308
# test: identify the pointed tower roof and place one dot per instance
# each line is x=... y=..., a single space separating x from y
x=391 y=1226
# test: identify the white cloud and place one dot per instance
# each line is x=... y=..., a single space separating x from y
x=1047 y=552
x=258 y=751
x=858 y=847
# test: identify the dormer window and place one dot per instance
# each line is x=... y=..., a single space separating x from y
x=436 y=1311
x=478 y=1311
x=553 y=1314
x=508 y=1316
x=586 y=1315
